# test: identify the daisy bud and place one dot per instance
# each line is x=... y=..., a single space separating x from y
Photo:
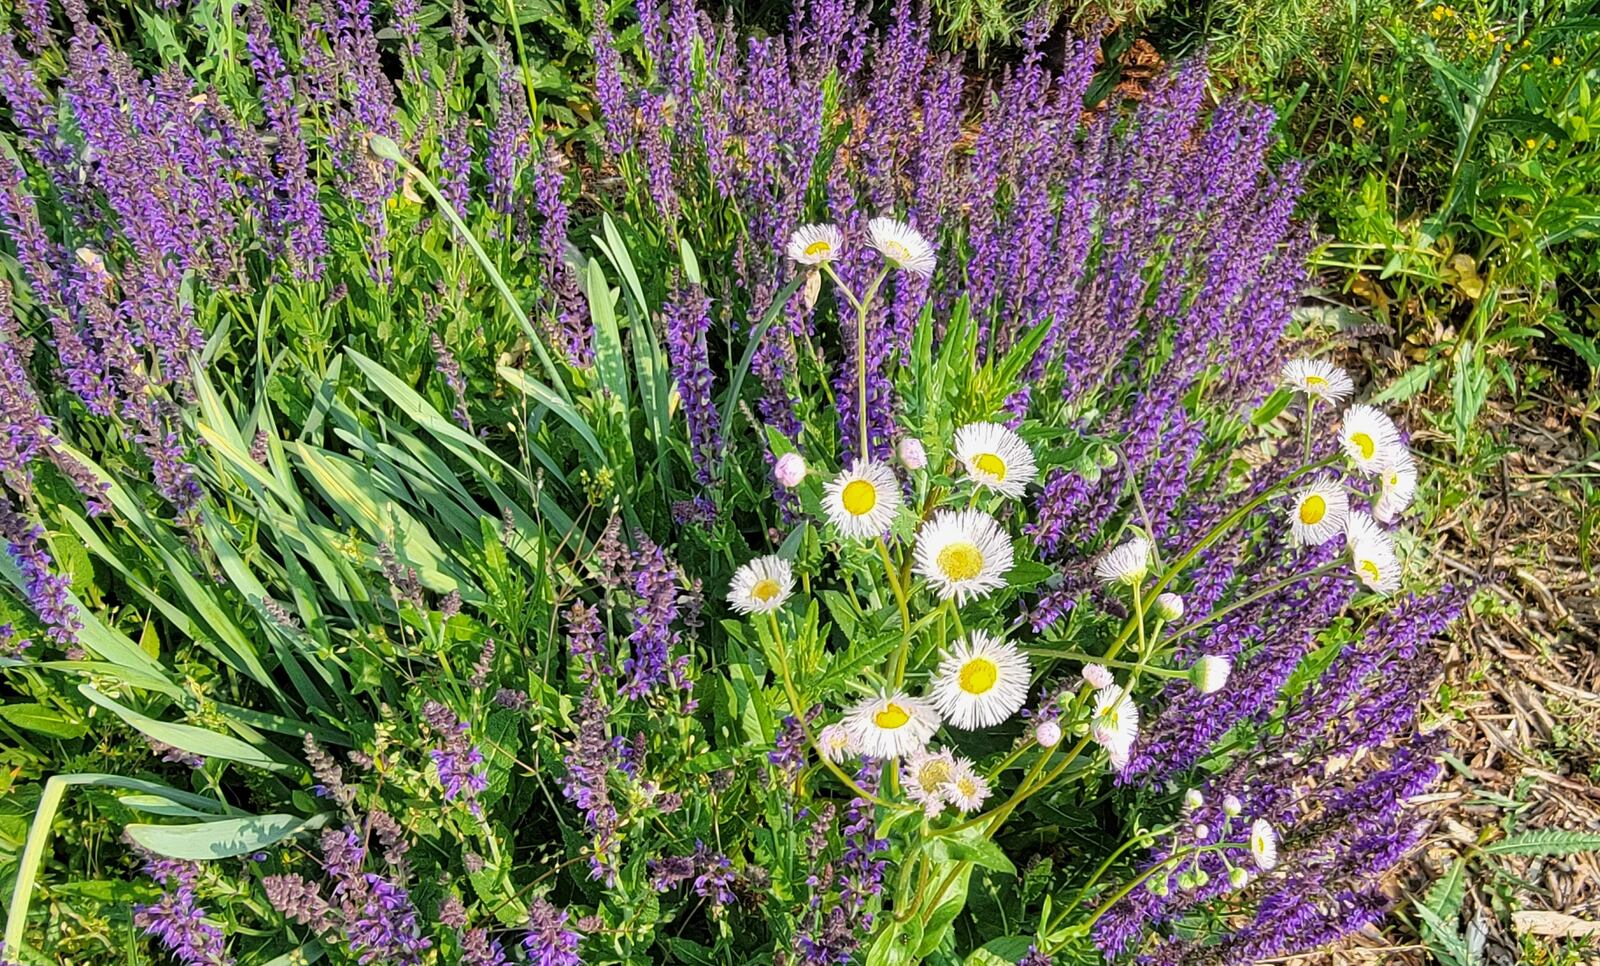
x=1192 y=799
x=1097 y=676
x=791 y=469
x=1202 y=832
x=1201 y=877
x=912 y=453
x=1047 y=734
x=1186 y=880
x=1157 y=886
x=813 y=288
x=1106 y=458
x=1237 y=877
x=1169 y=606
x=1210 y=673
x=1231 y=806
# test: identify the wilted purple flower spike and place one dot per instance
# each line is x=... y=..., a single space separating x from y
x=688 y=321
x=329 y=776
x=570 y=333
x=586 y=642
x=478 y=948
x=589 y=763
x=550 y=941
x=299 y=901
x=445 y=362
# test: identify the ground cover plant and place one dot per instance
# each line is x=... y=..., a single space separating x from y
x=820 y=508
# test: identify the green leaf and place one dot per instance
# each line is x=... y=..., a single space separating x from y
x=730 y=398
x=222 y=838
x=1411 y=382
x=896 y=944
x=1275 y=405
x=1469 y=387
x=43 y=719
x=970 y=845
x=609 y=361
x=1545 y=841
x=542 y=394
x=198 y=741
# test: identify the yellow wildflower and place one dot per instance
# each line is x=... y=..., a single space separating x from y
x=1358 y=122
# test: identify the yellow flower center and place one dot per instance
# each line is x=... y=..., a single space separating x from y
x=932 y=774
x=818 y=248
x=961 y=561
x=891 y=717
x=896 y=252
x=1316 y=381
x=1363 y=442
x=1312 y=509
x=992 y=465
x=859 y=497
x=967 y=787
x=765 y=590
x=1370 y=569
x=978 y=675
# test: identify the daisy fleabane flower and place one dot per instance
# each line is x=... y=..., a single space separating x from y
x=1126 y=564
x=1263 y=844
x=996 y=457
x=892 y=725
x=901 y=245
x=963 y=554
x=967 y=790
x=1319 y=513
x=1369 y=437
x=1372 y=554
x=762 y=585
x=926 y=778
x=1115 y=723
x=981 y=682
x=862 y=501
x=1398 y=486
x=836 y=743
x=1097 y=676
x=815 y=244
x=1314 y=377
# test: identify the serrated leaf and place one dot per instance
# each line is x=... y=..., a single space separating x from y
x=1545 y=841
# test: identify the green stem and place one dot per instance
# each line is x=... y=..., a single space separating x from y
x=385 y=147
x=1272 y=588
x=800 y=718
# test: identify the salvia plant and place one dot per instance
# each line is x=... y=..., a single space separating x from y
x=826 y=510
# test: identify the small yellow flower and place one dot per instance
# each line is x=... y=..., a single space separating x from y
x=1472 y=35
x=1383 y=98
x=1556 y=61
x=1438 y=13
x=1526 y=43
x=1532 y=143
x=1358 y=122
x=1527 y=66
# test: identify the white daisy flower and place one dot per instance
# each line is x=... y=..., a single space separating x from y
x=1115 y=723
x=901 y=245
x=1126 y=564
x=967 y=789
x=1369 y=437
x=862 y=501
x=1314 y=377
x=927 y=778
x=1319 y=513
x=837 y=743
x=762 y=585
x=1398 y=483
x=1210 y=674
x=1372 y=554
x=963 y=554
x=815 y=244
x=1263 y=844
x=892 y=725
x=981 y=682
x=996 y=457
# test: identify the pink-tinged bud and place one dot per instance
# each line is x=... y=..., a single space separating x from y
x=790 y=471
x=1097 y=676
x=1047 y=734
x=912 y=453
